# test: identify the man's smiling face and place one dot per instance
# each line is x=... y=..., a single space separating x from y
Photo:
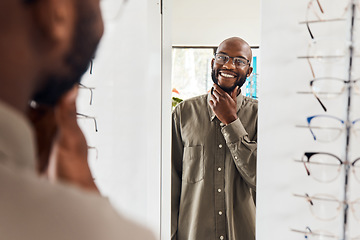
x=229 y=75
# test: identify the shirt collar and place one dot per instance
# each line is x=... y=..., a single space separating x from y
x=239 y=101
x=17 y=142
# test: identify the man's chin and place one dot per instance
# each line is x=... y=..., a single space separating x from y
x=215 y=79
x=52 y=91
x=227 y=89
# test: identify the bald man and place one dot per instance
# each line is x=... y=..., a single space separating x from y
x=214 y=145
x=45 y=47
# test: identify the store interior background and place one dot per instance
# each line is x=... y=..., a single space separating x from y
x=132 y=94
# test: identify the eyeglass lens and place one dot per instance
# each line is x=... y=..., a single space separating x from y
x=323 y=167
x=237 y=61
x=324 y=207
x=325 y=128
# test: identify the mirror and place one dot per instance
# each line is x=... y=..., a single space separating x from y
x=213 y=179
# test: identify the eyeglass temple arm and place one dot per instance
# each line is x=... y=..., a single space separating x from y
x=96 y=150
x=309 y=199
x=308 y=28
x=91 y=92
x=96 y=129
x=306 y=196
x=322 y=105
x=86 y=116
x=306 y=168
x=309 y=120
x=321 y=9
x=91 y=96
x=91 y=65
x=311 y=68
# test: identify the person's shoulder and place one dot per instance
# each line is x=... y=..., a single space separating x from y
x=108 y=221
x=60 y=211
x=250 y=102
x=193 y=101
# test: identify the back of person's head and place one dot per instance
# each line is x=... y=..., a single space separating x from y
x=46 y=46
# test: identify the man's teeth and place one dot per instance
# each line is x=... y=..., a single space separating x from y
x=226 y=75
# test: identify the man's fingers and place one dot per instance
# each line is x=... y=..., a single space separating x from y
x=213 y=99
x=215 y=95
x=218 y=90
x=211 y=103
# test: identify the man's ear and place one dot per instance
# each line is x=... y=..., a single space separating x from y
x=249 y=71
x=55 y=20
x=212 y=63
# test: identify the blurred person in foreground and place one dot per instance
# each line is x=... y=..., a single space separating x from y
x=46 y=46
x=214 y=148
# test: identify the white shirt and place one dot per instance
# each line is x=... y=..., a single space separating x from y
x=31 y=208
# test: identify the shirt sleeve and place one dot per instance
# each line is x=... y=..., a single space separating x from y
x=176 y=173
x=243 y=150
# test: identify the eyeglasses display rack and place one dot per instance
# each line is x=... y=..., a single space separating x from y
x=324 y=166
x=88 y=123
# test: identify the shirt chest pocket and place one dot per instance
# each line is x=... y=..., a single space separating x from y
x=193 y=164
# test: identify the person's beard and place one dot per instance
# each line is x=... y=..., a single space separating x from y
x=77 y=61
x=239 y=82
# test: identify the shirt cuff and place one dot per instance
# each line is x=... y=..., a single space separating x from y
x=234 y=131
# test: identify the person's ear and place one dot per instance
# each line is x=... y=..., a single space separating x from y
x=249 y=72
x=56 y=21
x=212 y=63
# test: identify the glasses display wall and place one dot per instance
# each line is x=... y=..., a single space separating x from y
x=308 y=147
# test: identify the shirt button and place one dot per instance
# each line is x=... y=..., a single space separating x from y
x=220 y=146
x=219 y=190
x=236 y=157
x=221 y=124
x=220 y=213
x=221 y=237
x=219 y=169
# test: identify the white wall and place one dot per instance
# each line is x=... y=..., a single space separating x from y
x=208 y=22
x=128 y=107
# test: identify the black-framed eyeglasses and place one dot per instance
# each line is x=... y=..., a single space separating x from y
x=80 y=115
x=326 y=167
x=239 y=62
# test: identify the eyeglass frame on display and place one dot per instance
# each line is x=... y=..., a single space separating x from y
x=308 y=119
x=357 y=89
x=318 y=233
x=308 y=155
x=307 y=22
x=333 y=199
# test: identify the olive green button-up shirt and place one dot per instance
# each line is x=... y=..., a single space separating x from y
x=213 y=172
